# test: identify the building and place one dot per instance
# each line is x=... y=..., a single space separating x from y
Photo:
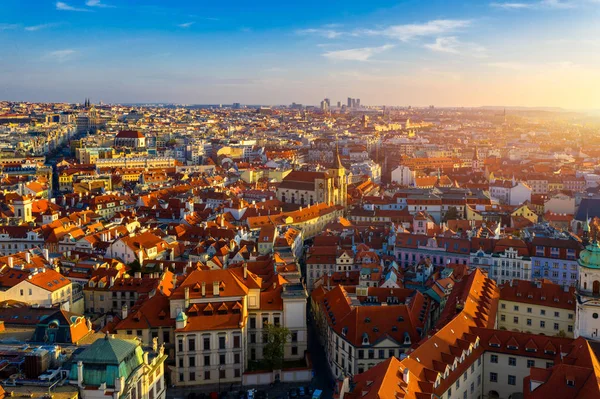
x=221 y=317
x=587 y=324
x=538 y=307
x=309 y=188
x=119 y=368
x=556 y=260
x=130 y=138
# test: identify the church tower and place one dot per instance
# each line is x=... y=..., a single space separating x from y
x=476 y=163
x=587 y=318
x=340 y=180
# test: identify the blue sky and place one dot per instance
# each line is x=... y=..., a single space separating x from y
x=447 y=53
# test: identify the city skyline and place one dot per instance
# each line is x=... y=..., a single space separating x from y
x=529 y=53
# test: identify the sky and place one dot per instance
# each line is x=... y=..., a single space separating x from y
x=405 y=52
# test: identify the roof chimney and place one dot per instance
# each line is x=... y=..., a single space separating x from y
x=187 y=297
x=10 y=261
x=215 y=288
x=124 y=312
x=245 y=270
x=204 y=288
x=405 y=375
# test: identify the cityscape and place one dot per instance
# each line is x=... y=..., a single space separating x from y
x=349 y=201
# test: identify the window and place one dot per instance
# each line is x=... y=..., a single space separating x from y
x=516 y=308
x=221 y=373
x=221 y=342
x=381 y=353
x=361 y=354
x=192 y=344
x=192 y=361
x=512 y=380
x=543 y=312
x=556 y=327
x=503 y=306
x=180 y=362
x=516 y=320
x=207 y=360
x=493 y=377
x=236 y=373
x=457 y=383
x=391 y=353
x=570 y=328
x=294 y=350
x=252 y=338
x=528 y=322
x=207 y=375
x=294 y=336
x=529 y=310
x=236 y=341
x=192 y=376
x=472 y=387
x=253 y=322
x=371 y=354
x=494 y=359
x=570 y=316
x=479 y=380
x=236 y=358
x=530 y=363
x=502 y=318
x=181 y=377
x=556 y=314
x=180 y=345
x=549 y=364
x=276 y=320
x=221 y=359
x=206 y=343
x=542 y=324
x=512 y=361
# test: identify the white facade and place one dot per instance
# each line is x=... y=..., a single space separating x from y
x=403 y=176
x=587 y=323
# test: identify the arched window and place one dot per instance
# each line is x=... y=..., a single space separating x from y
x=596 y=287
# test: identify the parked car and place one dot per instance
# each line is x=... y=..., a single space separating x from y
x=301 y=391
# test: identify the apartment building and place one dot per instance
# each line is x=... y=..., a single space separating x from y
x=538 y=307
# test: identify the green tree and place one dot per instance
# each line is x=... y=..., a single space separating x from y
x=561 y=334
x=452 y=214
x=273 y=350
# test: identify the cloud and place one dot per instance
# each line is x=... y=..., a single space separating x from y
x=61 y=6
x=356 y=54
x=541 y=4
x=328 y=33
x=8 y=26
x=451 y=45
x=444 y=45
x=411 y=31
x=61 y=55
x=98 y=3
x=34 y=28
x=512 y=6
x=186 y=24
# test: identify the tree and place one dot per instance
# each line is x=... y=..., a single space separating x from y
x=561 y=334
x=273 y=350
x=452 y=214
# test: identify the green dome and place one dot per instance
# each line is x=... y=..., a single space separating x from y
x=590 y=256
x=181 y=317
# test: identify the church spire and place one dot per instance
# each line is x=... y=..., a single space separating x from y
x=337 y=162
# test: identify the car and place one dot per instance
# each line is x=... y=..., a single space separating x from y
x=292 y=393
x=301 y=391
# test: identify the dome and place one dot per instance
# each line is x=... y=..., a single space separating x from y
x=590 y=256
x=183 y=317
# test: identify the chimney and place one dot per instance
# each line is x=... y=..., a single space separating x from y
x=124 y=312
x=274 y=284
x=405 y=375
x=215 y=288
x=172 y=255
x=203 y=288
x=245 y=270
x=187 y=297
x=46 y=254
x=80 y=374
x=112 y=281
x=137 y=274
x=10 y=261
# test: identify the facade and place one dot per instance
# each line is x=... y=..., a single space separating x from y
x=538 y=307
x=556 y=260
x=130 y=138
x=221 y=316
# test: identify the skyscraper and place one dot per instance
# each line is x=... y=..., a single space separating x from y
x=349 y=102
x=358 y=103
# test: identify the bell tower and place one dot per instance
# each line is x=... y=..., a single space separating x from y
x=340 y=180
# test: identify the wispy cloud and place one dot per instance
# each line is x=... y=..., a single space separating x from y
x=60 y=55
x=412 y=31
x=98 y=3
x=61 y=6
x=524 y=66
x=451 y=45
x=329 y=33
x=8 y=26
x=186 y=24
x=34 y=28
x=356 y=54
x=541 y=4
